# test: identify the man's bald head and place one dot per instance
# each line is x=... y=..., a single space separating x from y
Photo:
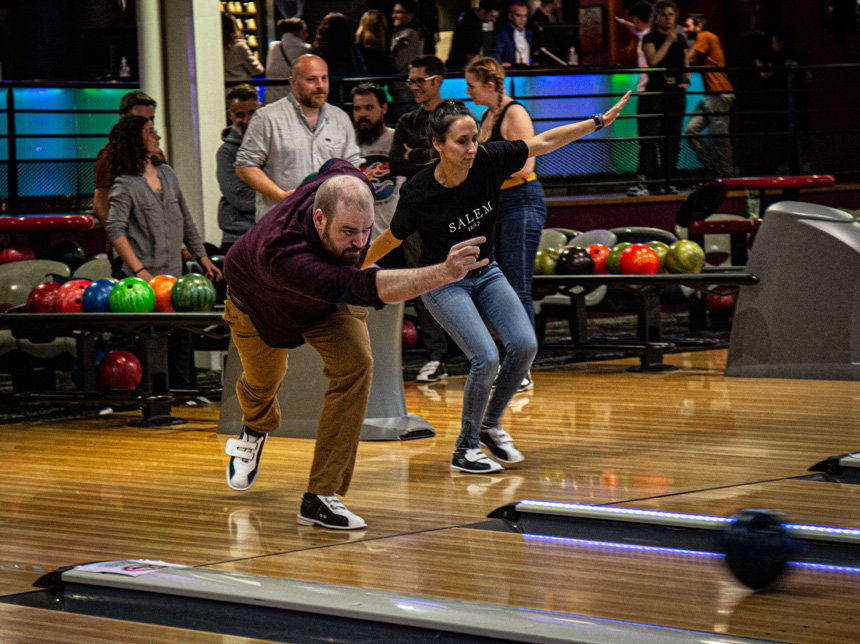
x=343 y=217
x=309 y=80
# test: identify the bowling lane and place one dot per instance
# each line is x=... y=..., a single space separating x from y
x=628 y=584
x=18 y=625
x=809 y=502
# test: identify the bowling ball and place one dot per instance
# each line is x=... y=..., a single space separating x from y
x=70 y=296
x=614 y=257
x=162 y=285
x=685 y=256
x=221 y=285
x=97 y=296
x=639 y=259
x=410 y=335
x=599 y=254
x=757 y=547
x=573 y=260
x=132 y=295
x=545 y=261
x=41 y=299
x=69 y=253
x=16 y=253
x=722 y=303
x=193 y=292
x=75 y=369
x=662 y=249
x=120 y=370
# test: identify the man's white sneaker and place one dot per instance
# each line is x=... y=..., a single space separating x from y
x=244 y=462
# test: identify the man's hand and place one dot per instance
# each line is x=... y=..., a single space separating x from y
x=463 y=257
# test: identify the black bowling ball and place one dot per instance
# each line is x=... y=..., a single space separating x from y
x=574 y=260
x=221 y=285
x=69 y=253
x=757 y=547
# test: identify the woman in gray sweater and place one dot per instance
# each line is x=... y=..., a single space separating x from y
x=148 y=221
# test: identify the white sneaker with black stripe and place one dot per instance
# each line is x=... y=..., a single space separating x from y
x=501 y=445
x=328 y=512
x=244 y=462
x=474 y=461
x=431 y=372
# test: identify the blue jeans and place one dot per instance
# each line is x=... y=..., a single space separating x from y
x=522 y=213
x=465 y=309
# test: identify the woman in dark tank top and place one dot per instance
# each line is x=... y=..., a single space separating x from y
x=522 y=207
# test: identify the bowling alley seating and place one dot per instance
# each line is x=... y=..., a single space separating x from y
x=95 y=269
x=31 y=364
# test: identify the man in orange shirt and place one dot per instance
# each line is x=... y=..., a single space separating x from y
x=713 y=110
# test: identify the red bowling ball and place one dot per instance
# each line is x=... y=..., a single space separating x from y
x=42 y=298
x=410 y=335
x=70 y=297
x=120 y=370
x=16 y=253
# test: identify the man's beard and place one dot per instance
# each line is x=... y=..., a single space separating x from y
x=313 y=100
x=369 y=134
x=344 y=258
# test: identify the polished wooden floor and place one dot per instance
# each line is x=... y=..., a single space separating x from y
x=688 y=440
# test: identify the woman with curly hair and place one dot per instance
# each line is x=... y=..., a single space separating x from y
x=335 y=44
x=522 y=207
x=454 y=199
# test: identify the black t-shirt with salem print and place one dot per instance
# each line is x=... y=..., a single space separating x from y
x=446 y=216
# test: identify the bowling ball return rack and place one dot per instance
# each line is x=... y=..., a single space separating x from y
x=152 y=330
x=649 y=343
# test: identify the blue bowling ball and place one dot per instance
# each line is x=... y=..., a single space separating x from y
x=96 y=298
x=757 y=547
x=75 y=369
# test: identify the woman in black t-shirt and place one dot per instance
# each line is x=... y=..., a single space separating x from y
x=663 y=46
x=452 y=200
x=522 y=205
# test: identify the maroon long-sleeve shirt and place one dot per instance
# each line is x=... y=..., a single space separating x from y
x=281 y=273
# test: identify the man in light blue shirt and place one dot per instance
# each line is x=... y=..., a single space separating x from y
x=293 y=137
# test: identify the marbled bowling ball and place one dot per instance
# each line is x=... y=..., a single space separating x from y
x=193 y=293
x=573 y=260
x=97 y=296
x=132 y=295
x=42 y=298
x=70 y=296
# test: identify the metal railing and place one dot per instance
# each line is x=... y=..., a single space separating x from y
x=773 y=130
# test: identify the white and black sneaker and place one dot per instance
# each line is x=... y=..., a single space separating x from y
x=501 y=445
x=244 y=462
x=474 y=461
x=328 y=512
x=431 y=372
x=638 y=190
x=527 y=383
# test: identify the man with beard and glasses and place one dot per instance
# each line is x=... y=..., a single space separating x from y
x=289 y=139
x=296 y=277
x=369 y=107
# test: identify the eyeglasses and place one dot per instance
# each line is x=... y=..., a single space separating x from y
x=421 y=81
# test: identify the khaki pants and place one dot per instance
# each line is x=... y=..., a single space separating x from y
x=343 y=342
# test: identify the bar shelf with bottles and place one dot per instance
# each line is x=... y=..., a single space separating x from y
x=252 y=23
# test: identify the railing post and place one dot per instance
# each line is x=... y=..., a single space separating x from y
x=12 y=174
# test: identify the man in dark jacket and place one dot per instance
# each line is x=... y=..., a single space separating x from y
x=236 y=207
x=513 y=43
x=296 y=277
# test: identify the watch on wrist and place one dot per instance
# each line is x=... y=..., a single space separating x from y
x=599 y=123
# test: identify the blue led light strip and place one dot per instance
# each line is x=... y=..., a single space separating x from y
x=574 y=509
x=588 y=543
